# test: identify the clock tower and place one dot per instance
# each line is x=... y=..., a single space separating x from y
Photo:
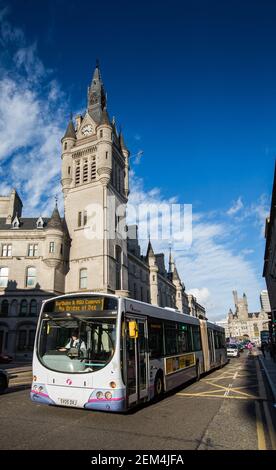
x=95 y=188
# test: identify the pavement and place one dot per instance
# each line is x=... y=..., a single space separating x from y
x=269 y=367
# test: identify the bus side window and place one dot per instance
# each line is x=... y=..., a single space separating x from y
x=155 y=338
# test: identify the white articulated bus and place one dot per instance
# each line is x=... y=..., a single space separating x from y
x=124 y=351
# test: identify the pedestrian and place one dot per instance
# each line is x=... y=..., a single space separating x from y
x=249 y=347
x=263 y=349
x=272 y=351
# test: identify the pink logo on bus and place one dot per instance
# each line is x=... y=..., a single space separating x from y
x=69 y=382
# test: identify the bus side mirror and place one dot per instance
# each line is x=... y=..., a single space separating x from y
x=133 y=329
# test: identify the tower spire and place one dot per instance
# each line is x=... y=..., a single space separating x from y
x=96 y=95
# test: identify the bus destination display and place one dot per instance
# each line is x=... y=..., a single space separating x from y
x=85 y=304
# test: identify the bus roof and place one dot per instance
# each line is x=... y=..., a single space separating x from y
x=132 y=306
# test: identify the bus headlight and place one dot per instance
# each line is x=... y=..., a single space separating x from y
x=108 y=395
x=99 y=395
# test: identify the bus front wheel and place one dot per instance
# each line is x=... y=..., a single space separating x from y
x=158 y=385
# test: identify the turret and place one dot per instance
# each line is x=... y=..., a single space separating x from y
x=125 y=153
x=68 y=141
x=54 y=240
x=150 y=256
x=104 y=135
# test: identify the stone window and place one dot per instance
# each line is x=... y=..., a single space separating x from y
x=85 y=218
x=93 y=168
x=23 y=308
x=5 y=307
x=83 y=278
x=30 y=277
x=22 y=340
x=77 y=175
x=33 y=308
x=79 y=219
x=65 y=146
x=85 y=172
x=52 y=247
x=32 y=250
x=101 y=134
x=4 y=275
x=118 y=256
x=6 y=250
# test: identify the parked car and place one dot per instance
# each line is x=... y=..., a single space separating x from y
x=232 y=350
x=5 y=358
x=4 y=381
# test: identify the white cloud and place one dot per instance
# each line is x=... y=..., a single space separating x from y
x=32 y=122
x=210 y=267
x=202 y=295
x=236 y=207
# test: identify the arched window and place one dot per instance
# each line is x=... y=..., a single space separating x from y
x=5 y=307
x=30 y=277
x=83 y=278
x=23 y=308
x=65 y=146
x=22 y=340
x=85 y=172
x=31 y=339
x=77 y=174
x=14 y=307
x=4 y=276
x=33 y=308
x=93 y=168
x=101 y=133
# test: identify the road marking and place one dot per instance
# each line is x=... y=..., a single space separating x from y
x=212 y=395
x=260 y=428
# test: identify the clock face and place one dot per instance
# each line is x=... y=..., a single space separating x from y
x=87 y=130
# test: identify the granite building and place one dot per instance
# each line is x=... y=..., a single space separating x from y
x=41 y=257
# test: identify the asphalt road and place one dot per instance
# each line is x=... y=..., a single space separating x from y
x=230 y=408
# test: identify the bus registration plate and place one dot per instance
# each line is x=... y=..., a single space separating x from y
x=67 y=402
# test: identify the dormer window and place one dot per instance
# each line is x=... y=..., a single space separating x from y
x=15 y=223
x=39 y=223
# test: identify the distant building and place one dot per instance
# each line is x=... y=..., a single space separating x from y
x=265 y=304
x=224 y=324
x=196 y=310
x=269 y=271
x=241 y=322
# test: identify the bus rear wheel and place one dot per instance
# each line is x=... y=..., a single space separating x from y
x=158 y=385
x=197 y=372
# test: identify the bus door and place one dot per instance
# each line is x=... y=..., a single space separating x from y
x=211 y=346
x=136 y=359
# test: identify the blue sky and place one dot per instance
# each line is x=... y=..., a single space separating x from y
x=192 y=84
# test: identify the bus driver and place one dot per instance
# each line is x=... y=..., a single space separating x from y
x=74 y=342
